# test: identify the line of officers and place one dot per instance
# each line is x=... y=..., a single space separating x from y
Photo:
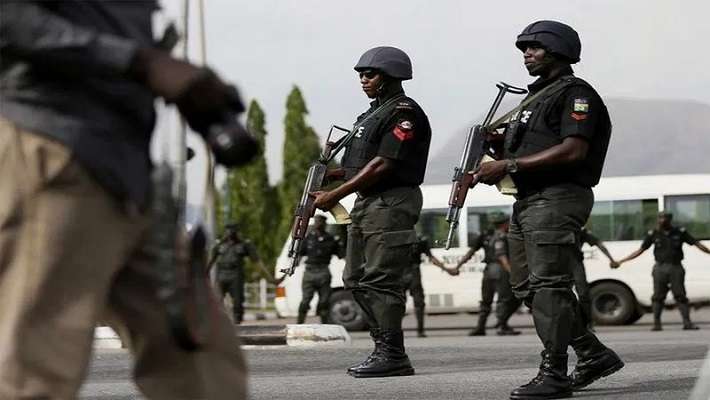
x=320 y=247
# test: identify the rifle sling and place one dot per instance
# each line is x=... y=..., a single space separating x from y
x=500 y=121
x=345 y=140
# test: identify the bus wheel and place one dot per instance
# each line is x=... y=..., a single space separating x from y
x=612 y=304
x=345 y=311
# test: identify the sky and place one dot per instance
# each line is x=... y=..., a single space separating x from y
x=652 y=49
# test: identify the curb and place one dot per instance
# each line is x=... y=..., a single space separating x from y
x=256 y=335
x=294 y=335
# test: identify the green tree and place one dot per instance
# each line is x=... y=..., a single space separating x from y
x=301 y=149
x=250 y=200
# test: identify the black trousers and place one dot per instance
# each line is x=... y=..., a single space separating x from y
x=380 y=244
x=234 y=286
x=542 y=241
x=316 y=280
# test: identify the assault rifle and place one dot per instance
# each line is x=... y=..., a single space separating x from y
x=474 y=151
x=314 y=182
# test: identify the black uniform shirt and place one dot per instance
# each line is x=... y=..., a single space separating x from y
x=577 y=110
x=668 y=245
x=486 y=241
x=320 y=247
x=231 y=256
x=399 y=132
x=420 y=248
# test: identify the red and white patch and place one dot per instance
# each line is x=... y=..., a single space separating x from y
x=578 y=116
x=404 y=130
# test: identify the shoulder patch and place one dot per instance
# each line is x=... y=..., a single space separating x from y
x=404 y=130
x=649 y=233
x=581 y=104
x=682 y=229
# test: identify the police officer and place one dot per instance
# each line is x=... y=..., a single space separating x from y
x=78 y=82
x=318 y=247
x=496 y=277
x=581 y=286
x=667 y=241
x=229 y=254
x=413 y=279
x=384 y=165
x=554 y=149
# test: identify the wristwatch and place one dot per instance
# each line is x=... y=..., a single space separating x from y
x=511 y=165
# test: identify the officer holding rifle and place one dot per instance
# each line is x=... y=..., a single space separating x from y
x=554 y=149
x=384 y=165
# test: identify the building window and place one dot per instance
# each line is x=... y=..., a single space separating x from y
x=623 y=219
x=433 y=225
x=692 y=212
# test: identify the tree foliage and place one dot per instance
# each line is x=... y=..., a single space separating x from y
x=301 y=149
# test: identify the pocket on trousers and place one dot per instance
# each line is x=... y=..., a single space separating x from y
x=398 y=246
x=551 y=245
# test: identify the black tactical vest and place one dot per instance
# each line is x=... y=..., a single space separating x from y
x=369 y=129
x=668 y=246
x=489 y=251
x=528 y=133
x=320 y=248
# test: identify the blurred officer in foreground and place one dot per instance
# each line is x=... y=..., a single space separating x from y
x=413 y=279
x=668 y=272
x=384 y=165
x=496 y=277
x=77 y=84
x=230 y=255
x=319 y=247
x=554 y=149
x=581 y=285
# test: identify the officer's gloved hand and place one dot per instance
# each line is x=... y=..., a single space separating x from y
x=209 y=105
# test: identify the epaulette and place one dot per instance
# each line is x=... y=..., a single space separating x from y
x=404 y=105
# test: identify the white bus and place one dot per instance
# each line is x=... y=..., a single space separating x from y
x=625 y=209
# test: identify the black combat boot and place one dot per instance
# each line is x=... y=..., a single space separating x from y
x=480 y=329
x=594 y=361
x=685 y=313
x=391 y=360
x=419 y=312
x=505 y=330
x=377 y=339
x=657 y=310
x=551 y=381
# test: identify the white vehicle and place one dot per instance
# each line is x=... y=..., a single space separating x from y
x=625 y=209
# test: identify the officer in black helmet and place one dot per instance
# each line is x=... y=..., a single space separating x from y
x=554 y=150
x=384 y=165
x=668 y=272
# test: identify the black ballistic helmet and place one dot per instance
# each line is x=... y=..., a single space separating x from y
x=498 y=218
x=390 y=60
x=556 y=37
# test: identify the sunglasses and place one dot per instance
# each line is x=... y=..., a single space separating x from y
x=369 y=74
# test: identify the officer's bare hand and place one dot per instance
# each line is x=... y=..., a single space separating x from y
x=490 y=173
x=453 y=271
x=324 y=200
x=614 y=264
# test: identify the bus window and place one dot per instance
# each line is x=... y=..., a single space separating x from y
x=432 y=224
x=623 y=219
x=478 y=219
x=692 y=212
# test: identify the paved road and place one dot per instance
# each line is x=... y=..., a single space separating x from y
x=450 y=365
